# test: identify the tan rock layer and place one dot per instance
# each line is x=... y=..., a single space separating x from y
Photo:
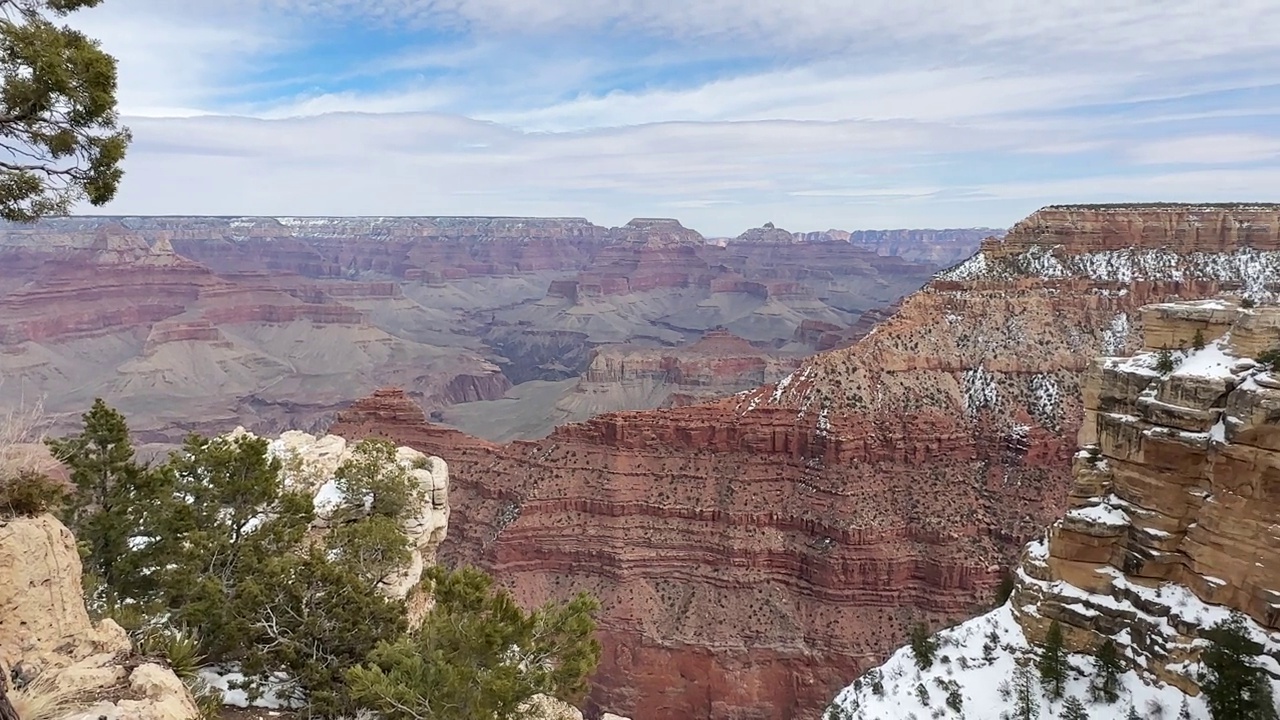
x=1189 y=466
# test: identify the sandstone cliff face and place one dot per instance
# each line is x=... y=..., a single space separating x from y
x=1171 y=527
x=754 y=554
x=45 y=629
x=1173 y=510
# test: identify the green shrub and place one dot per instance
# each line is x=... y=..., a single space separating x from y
x=208 y=698
x=1247 y=302
x=1234 y=686
x=31 y=493
x=180 y=648
x=478 y=656
x=1164 y=362
x=1269 y=358
x=209 y=541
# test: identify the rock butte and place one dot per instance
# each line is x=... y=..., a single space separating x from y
x=274 y=323
x=756 y=553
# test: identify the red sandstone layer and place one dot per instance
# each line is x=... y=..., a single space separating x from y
x=754 y=554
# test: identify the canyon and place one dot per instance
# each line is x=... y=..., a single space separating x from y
x=1170 y=528
x=754 y=553
x=206 y=323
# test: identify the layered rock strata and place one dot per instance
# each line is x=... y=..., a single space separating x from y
x=1176 y=496
x=754 y=554
x=1170 y=529
x=225 y=312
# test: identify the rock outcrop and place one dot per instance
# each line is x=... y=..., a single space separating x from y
x=45 y=631
x=1173 y=510
x=1171 y=527
x=754 y=554
x=310 y=463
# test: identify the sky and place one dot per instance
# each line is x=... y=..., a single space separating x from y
x=726 y=114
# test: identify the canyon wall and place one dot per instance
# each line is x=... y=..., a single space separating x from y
x=755 y=553
x=1170 y=529
x=275 y=323
x=1175 y=497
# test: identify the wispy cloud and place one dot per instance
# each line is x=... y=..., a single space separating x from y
x=1208 y=150
x=811 y=113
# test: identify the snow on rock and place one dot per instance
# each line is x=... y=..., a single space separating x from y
x=1116 y=335
x=274 y=696
x=1101 y=514
x=1214 y=361
x=1046 y=400
x=979 y=390
x=310 y=463
x=1254 y=270
x=973 y=668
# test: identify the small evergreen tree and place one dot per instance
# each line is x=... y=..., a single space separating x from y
x=1164 y=361
x=112 y=512
x=1184 y=712
x=478 y=656
x=1073 y=709
x=989 y=646
x=1052 y=662
x=1105 y=684
x=1025 y=704
x=1132 y=714
x=923 y=646
x=1234 y=687
x=1247 y=302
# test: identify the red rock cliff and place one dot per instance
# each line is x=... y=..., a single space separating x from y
x=753 y=554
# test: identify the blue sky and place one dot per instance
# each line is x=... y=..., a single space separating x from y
x=724 y=113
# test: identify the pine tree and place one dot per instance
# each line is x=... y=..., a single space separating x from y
x=1105 y=685
x=478 y=656
x=1132 y=714
x=1234 y=687
x=1164 y=361
x=1025 y=705
x=112 y=512
x=1197 y=342
x=1052 y=662
x=61 y=132
x=1184 y=712
x=225 y=520
x=923 y=646
x=1073 y=709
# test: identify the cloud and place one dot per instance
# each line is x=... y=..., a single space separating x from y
x=811 y=113
x=717 y=177
x=1208 y=150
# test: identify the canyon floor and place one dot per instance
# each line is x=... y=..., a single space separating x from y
x=503 y=327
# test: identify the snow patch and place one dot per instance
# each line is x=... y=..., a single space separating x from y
x=979 y=390
x=1116 y=335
